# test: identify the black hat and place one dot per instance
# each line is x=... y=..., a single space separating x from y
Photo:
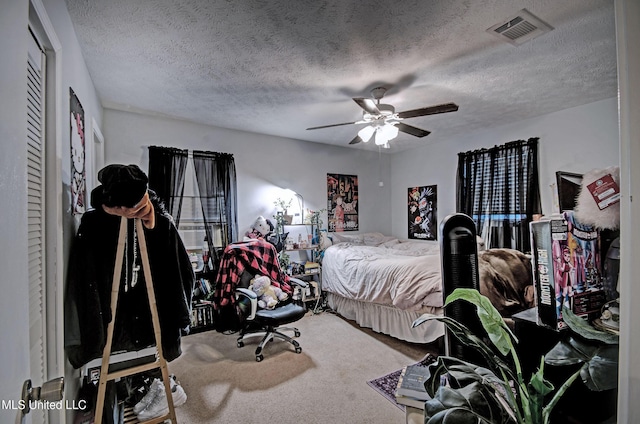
x=122 y=185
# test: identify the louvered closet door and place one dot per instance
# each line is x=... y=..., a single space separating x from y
x=36 y=218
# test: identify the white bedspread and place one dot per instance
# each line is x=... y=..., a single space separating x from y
x=405 y=274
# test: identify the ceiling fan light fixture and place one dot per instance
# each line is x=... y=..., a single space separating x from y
x=366 y=133
x=390 y=131
x=384 y=134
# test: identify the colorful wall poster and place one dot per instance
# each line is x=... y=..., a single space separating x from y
x=78 y=172
x=342 y=202
x=423 y=213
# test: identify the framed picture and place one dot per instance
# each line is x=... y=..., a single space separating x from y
x=342 y=202
x=568 y=184
x=78 y=172
x=422 y=208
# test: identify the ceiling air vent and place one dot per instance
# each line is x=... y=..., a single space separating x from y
x=520 y=28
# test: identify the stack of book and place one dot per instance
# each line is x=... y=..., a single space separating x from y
x=410 y=390
x=311 y=268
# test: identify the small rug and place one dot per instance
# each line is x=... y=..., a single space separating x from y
x=386 y=385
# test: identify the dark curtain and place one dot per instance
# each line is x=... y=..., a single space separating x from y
x=216 y=178
x=499 y=189
x=167 y=167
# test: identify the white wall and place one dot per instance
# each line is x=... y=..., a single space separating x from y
x=265 y=165
x=574 y=140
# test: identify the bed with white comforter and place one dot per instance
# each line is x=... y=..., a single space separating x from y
x=385 y=283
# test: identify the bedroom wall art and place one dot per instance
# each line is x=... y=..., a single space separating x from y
x=342 y=202
x=78 y=172
x=423 y=212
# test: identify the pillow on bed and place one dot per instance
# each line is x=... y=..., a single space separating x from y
x=344 y=238
x=376 y=239
x=391 y=243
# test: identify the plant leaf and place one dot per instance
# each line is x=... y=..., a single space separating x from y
x=546 y=411
x=467 y=338
x=491 y=320
x=474 y=395
x=586 y=330
x=538 y=383
x=537 y=389
x=601 y=370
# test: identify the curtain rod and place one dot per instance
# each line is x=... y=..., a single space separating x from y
x=190 y=152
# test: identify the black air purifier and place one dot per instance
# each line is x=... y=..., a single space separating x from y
x=459 y=251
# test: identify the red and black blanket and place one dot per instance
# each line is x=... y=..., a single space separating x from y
x=256 y=256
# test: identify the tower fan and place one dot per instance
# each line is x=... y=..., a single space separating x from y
x=459 y=254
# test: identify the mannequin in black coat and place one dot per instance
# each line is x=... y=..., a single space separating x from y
x=91 y=269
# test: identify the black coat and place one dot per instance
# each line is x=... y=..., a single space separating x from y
x=90 y=278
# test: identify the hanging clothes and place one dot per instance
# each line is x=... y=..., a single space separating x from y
x=90 y=279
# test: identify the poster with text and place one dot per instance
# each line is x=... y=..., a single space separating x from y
x=423 y=216
x=342 y=202
x=78 y=173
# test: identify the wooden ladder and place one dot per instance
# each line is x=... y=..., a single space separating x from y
x=160 y=362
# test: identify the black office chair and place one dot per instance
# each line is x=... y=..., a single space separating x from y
x=269 y=322
x=240 y=263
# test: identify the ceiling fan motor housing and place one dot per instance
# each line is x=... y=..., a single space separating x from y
x=386 y=110
x=378 y=92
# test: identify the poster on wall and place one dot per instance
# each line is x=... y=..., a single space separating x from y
x=342 y=202
x=78 y=173
x=423 y=213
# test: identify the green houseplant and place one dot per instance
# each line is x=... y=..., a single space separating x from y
x=314 y=217
x=497 y=394
x=282 y=217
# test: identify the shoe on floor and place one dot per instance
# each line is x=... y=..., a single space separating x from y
x=155 y=388
x=159 y=406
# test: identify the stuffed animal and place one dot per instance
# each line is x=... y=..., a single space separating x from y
x=261 y=228
x=268 y=295
x=588 y=211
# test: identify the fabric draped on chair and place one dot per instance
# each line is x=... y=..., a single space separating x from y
x=255 y=256
x=499 y=189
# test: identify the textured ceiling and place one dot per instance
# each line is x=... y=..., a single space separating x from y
x=280 y=66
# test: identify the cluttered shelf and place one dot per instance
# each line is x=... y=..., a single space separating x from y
x=300 y=258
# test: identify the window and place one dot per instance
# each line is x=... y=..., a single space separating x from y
x=491 y=205
x=200 y=195
x=498 y=188
x=192 y=222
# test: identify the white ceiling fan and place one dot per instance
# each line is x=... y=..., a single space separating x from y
x=384 y=122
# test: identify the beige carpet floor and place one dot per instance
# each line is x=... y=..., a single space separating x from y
x=326 y=383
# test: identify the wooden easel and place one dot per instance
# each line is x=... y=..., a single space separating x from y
x=160 y=362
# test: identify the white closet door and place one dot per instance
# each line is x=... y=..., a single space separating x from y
x=36 y=210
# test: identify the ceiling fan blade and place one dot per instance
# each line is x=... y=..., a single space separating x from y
x=333 y=125
x=368 y=105
x=412 y=130
x=356 y=140
x=431 y=110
